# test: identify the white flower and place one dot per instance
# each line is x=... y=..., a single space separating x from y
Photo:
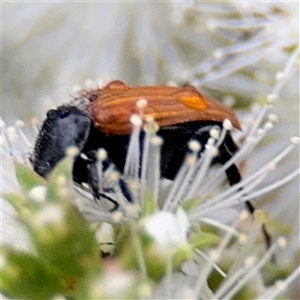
x=38 y=193
x=106 y=285
x=236 y=50
x=168 y=230
x=50 y=215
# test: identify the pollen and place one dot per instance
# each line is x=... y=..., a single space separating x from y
x=149 y=119
x=261 y=216
x=271 y=98
x=268 y=125
x=142 y=103
x=114 y=176
x=102 y=154
x=219 y=53
x=157 y=141
x=191 y=160
x=72 y=151
x=151 y=127
x=244 y=215
x=214 y=255
x=214 y=133
x=282 y=242
x=34 y=121
x=295 y=140
x=194 y=146
x=249 y=262
x=243 y=239
x=136 y=120
x=227 y=124
x=271 y=166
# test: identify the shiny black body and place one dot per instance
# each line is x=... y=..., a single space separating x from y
x=173 y=150
x=69 y=126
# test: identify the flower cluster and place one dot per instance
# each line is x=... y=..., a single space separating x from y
x=189 y=238
x=164 y=224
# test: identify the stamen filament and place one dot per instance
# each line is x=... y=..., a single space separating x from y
x=273 y=186
x=278 y=288
x=238 y=284
x=153 y=170
x=209 y=260
x=244 y=183
x=205 y=161
x=176 y=185
x=206 y=269
x=132 y=163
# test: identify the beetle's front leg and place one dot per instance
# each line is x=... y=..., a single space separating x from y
x=94 y=182
x=85 y=170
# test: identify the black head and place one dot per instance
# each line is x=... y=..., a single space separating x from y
x=64 y=127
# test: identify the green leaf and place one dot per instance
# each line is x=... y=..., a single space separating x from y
x=181 y=255
x=66 y=252
x=27 y=177
x=201 y=240
x=22 y=205
x=66 y=242
x=18 y=201
x=25 y=276
x=60 y=185
x=65 y=247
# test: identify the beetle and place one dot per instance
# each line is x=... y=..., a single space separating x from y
x=100 y=119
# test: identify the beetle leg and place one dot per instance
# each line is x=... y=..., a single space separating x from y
x=125 y=190
x=85 y=170
x=266 y=234
x=234 y=177
x=226 y=151
x=93 y=182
